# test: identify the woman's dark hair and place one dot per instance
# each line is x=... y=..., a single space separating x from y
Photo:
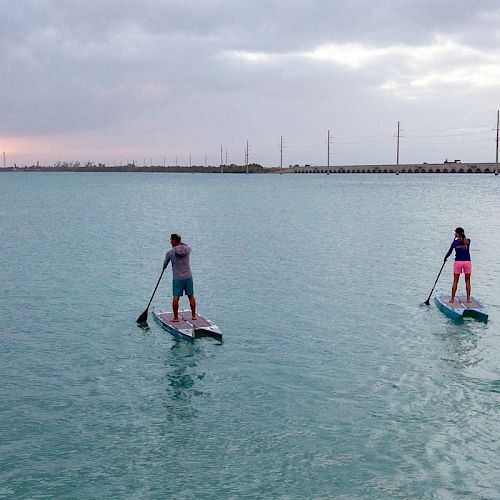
x=461 y=234
x=175 y=237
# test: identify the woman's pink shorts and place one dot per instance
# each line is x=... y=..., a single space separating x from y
x=462 y=266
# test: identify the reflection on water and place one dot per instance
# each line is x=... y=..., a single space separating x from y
x=181 y=371
x=463 y=337
x=144 y=327
x=182 y=375
x=495 y=386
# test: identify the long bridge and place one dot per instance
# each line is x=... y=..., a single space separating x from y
x=417 y=168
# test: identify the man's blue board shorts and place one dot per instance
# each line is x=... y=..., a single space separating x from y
x=181 y=286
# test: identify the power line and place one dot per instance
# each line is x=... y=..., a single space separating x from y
x=446 y=129
x=446 y=135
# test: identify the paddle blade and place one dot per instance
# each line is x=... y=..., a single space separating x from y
x=427 y=303
x=143 y=318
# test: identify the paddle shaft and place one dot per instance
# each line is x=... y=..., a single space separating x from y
x=429 y=297
x=144 y=315
x=154 y=291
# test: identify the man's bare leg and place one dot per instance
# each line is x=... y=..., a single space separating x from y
x=454 y=287
x=467 y=286
x=175 y=309
x=192 y=303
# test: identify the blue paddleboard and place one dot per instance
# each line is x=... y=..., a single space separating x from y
x=460 y=307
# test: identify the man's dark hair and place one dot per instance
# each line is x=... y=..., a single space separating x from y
x=175 y=237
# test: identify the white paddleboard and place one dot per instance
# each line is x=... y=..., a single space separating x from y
x=186 y=326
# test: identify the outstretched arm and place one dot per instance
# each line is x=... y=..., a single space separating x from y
x=166 y=261
x=449 y=251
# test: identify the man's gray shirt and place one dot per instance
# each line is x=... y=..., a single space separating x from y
x=179 y=256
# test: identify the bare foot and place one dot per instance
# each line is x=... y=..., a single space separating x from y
x=194 y=318
x=468 y=300
x=452 y=300
x=175 y=320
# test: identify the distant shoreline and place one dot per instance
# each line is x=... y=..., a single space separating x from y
x=421 y=168
x=229 y=169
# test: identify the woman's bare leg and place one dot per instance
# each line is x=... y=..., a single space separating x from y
x=467 y=286
x=454 y=286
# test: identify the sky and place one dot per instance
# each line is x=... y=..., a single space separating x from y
x=162 y=81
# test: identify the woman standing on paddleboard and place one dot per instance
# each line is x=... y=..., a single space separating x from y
x=462 y=264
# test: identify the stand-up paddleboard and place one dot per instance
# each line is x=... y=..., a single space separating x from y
x=187 y=327
x=460 y=307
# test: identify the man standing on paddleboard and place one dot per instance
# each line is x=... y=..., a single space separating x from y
x=462 y=263
x=182 y=277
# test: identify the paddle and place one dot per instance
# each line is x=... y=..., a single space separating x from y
x=143 y=318
x=429 y=297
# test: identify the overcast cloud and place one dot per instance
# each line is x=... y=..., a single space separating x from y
x=116 y=81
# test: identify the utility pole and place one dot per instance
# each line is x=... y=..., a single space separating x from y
x=328 y=154
x=190 y=159
x=176 y=162
x=328 y=141
x=221 y=166
x=164 y=161
x=246 y=156
x=397 y=154
x=281 y=154
x=5 y=162
x=498 y=123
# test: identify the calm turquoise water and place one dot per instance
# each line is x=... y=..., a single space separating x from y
x=332 y=381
